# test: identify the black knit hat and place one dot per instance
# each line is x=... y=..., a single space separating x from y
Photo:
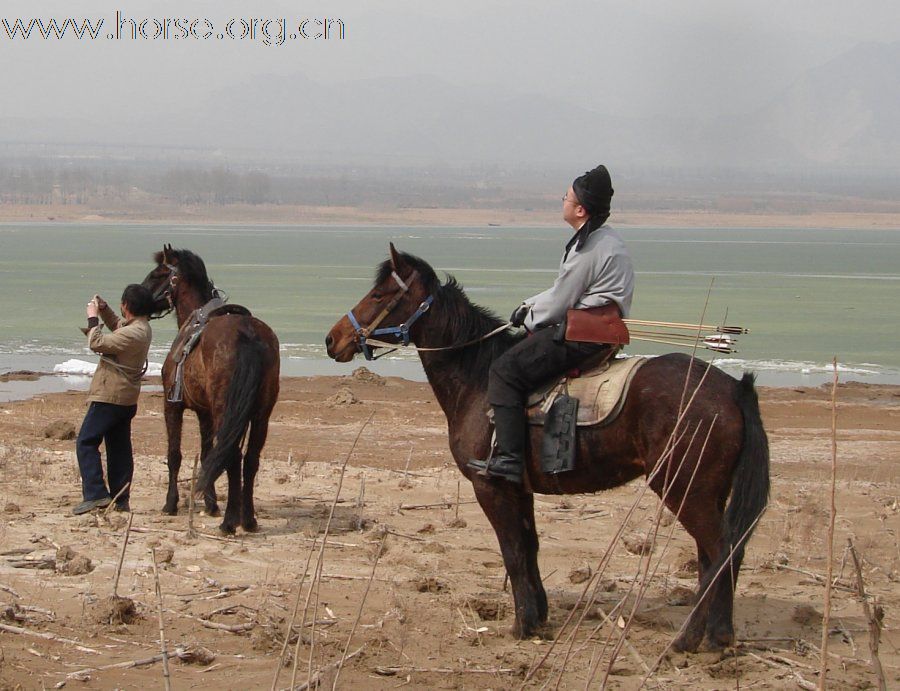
x=594 y=191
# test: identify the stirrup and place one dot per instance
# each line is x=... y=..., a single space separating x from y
x=503 y=467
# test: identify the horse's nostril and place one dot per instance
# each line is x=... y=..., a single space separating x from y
x=329 y=341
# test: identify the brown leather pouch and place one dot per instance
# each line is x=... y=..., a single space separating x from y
x=597 y=325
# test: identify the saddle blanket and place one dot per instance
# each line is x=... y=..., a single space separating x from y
x=601 y=392
x=190 y=334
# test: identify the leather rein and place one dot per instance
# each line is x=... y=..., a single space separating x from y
x=364 y=334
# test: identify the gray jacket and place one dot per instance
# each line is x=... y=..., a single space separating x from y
x=597 y=274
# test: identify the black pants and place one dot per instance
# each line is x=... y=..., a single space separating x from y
x=533 y=361
x=111 y=424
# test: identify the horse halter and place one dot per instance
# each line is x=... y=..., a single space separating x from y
x=165 y=290
x=400 y=332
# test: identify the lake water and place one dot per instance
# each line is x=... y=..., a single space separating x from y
x=805 y=295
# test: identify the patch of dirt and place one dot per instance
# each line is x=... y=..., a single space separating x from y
x=435 y=607
x=343 y=397
x=62 y=430
x=116 y=610
x=367 y=376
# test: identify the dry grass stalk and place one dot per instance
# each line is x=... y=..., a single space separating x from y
x=648 y=575
x=290 y=628
x=436 y=505
x=47 y=636
x=826 y=616
x=790 y=664
x=604 y=562
x=122 y=556
x=7 y=589
x=359 y=613
x=180 y=653
x=162 y=628
x=317 y=572
x=317 y=677
x=874 y=619
x=702 y=596
x=406 y=468
x=192 y=499
x=361 y=502
x=112 y=504
x=391 y=671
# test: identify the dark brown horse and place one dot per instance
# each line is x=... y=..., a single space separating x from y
x=409 y=299
x=230 y=381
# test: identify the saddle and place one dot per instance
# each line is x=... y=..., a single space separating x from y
x=601 y=389
x=189 y=335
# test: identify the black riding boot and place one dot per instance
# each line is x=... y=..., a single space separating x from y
x=508 y=461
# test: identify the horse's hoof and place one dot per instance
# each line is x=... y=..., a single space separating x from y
x=250 y=526
x=213 y=511
x=686 y=643
x=717 y=640
x=227 y=529
x=541 y=631
x=170 y=510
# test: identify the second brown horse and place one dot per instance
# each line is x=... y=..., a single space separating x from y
x=230 y=381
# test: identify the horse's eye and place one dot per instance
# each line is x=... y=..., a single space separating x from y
x=376 y=296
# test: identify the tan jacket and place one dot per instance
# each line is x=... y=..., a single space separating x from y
x=123 y=354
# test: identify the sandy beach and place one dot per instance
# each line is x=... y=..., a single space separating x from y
x=436 y=614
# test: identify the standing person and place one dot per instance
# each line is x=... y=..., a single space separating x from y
x=113 y=397
x=595 y=271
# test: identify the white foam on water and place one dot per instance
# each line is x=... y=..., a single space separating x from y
x=804 y=367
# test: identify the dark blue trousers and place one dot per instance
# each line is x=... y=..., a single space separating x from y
x=111 y=424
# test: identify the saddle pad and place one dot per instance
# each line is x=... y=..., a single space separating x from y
x=601 y=392
x=194 y=325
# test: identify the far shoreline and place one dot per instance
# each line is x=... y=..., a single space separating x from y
x=28 y=385
x=244 y=214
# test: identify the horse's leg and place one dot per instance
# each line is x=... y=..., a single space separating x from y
x=705 y=528
x=256 y=439
x=207 y=436
x=233 y=506
x=511 y=512
x=720 y=624
x=174 y=415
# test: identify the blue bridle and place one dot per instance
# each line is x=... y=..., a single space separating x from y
x=400 y=332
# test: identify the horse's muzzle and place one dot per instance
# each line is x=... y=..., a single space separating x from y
x=339 y=346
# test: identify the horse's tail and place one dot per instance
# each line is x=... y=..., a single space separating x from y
x=749 y=482
x=246 y=378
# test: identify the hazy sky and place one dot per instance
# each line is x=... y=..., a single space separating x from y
x=627 y=58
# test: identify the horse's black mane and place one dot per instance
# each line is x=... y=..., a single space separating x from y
x=192 y=270
x=458 y=318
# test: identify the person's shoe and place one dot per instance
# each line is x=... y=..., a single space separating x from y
x=508 y=462
x=90 y=505
x=123 y=506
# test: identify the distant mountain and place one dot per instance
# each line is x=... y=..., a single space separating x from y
x=845 y=113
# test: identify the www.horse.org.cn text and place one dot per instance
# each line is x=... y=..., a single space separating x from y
x=270 y=31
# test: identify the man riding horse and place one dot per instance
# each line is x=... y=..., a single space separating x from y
x=595 y=272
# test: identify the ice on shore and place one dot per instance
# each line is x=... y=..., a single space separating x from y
x=85 y=368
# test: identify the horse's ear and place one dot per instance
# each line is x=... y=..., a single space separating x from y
x=165 y=254
x=396 y=260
